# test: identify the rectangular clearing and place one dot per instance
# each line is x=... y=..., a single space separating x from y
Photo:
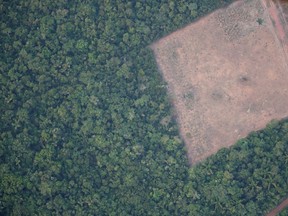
x=227 y=75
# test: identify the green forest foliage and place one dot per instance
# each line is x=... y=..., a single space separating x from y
x=284 y=212
x=82 y=108
x=250 y=178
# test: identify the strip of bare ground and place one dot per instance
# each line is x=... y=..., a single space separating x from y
x=278 y=17
x=279 y=208
x=283 y=17
x=279 y=23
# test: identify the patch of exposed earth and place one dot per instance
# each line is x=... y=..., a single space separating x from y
x=227 y=75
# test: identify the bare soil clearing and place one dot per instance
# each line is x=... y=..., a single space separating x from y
x=227 y=74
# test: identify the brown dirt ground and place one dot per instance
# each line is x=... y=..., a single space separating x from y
x=279 y=208
x=227 y=75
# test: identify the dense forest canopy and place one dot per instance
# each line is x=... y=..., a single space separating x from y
x=87 y=128
x=250 y=178
x=284 y=212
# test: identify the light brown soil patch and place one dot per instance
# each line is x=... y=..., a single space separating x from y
x=278 y=13
x=279 y=208
x=227 y=76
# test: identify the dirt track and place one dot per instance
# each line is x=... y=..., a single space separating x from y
x=279 y=21
x=227 y=75
x=279 y=208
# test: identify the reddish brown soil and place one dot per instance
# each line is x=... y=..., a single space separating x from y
x=279 y=208
x=227 y=75
x=278 y=13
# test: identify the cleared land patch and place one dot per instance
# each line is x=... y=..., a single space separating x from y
x=227 y=76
